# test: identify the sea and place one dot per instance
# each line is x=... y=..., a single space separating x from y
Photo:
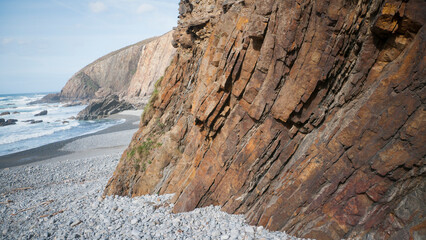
x=59 y=123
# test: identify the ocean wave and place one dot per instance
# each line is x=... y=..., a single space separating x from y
x=20 y=100
x=106 y=125
x=21 y=137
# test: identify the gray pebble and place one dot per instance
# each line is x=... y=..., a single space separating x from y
x=136 y=233
x=78 y=210
x=215 y=233
x=249 y=229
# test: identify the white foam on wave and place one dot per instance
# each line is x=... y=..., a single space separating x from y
x=24 y=136
x=27 y=108
x=105 y=126
x=21 y=100
x=20 y=137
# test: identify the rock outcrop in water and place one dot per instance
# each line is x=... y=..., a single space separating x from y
x=4 y=122
x=306 y=116
x=129 y=73
x=42 y=113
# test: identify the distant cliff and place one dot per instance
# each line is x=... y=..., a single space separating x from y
x=153 y=61
x=120 y=72
x=306 y=116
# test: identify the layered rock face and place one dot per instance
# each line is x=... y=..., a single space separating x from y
x=129 y=73
x=110 y=73
x=155 y=58
x=306 y=116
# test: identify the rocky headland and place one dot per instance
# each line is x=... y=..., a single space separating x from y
x=129 y=73
x=305 y=116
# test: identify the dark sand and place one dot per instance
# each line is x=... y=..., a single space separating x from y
x=53 y=150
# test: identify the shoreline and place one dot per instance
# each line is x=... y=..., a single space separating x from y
x=55 y=150
x=62 y=198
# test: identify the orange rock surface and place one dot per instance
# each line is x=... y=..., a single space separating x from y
x=306 y=116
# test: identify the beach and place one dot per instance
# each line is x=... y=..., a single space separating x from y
x=61 y=197
x=51 y=151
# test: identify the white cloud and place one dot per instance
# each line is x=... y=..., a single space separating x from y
x=22 y=41
x=145 y=7
x=10 y=40
x=6 y=40
x=97 y=7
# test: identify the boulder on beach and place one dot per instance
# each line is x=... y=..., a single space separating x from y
x=42 y=113
x=4 y=113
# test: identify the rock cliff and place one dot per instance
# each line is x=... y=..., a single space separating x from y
x=129 y=73
x=155 y=58
x=110 y=73
x=306 y=116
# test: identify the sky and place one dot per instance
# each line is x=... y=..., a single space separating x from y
x=44 y=42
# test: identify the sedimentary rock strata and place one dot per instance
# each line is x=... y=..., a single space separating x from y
x=155 y=58
x=306 y=116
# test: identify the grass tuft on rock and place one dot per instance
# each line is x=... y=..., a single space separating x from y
x=140 y=154
x=148 y=107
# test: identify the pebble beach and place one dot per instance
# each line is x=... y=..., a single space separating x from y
x=61 y=198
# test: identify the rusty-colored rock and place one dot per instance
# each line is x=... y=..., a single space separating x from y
x=306 y=116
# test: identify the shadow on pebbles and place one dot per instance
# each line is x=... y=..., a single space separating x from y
x=62 y=200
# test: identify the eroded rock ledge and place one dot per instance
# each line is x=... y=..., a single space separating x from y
x=306 y=116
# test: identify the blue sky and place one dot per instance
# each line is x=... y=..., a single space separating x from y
x=44 y=42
